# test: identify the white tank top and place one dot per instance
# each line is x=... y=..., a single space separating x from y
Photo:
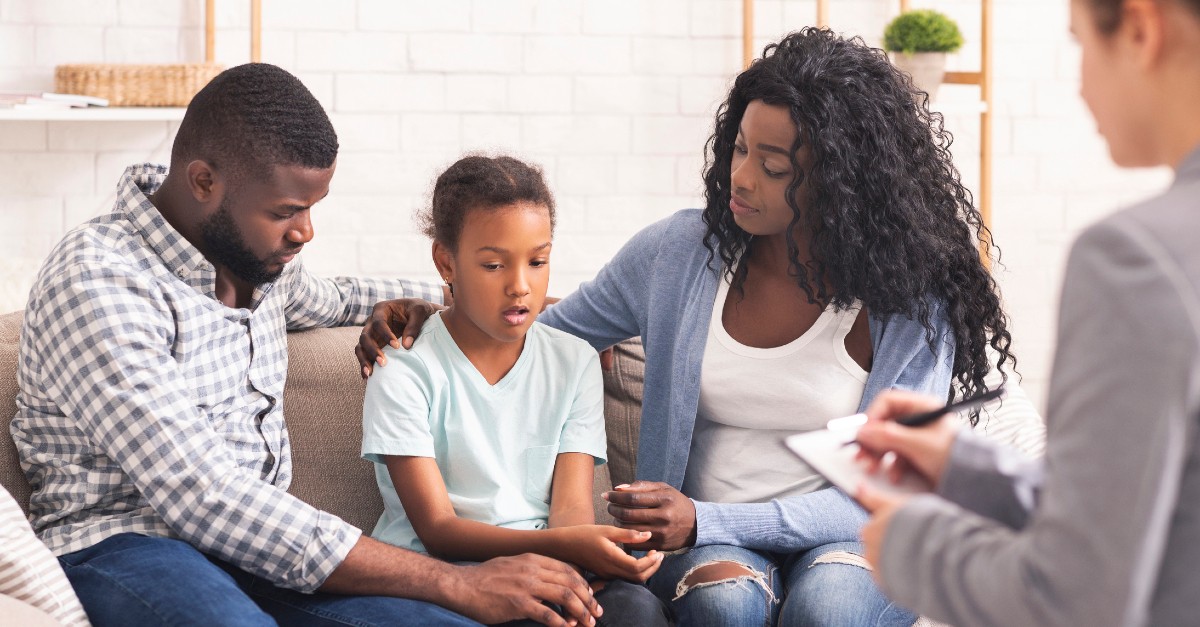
x=750 y=398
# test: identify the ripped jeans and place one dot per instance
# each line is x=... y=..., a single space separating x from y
x=828 y=585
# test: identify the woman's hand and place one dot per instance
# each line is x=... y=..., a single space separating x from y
x=389 y=318
x=597 y=548
x=924 y=450
x=653 y=506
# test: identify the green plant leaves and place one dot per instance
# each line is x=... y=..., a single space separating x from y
x=922 y=31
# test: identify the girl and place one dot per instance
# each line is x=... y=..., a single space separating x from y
x=1044 y=544
x=485 y=433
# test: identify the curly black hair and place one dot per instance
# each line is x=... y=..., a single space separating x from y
x=251 y=118
x=889 y=221
x=477 y=182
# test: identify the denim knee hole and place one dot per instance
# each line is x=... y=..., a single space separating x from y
x=682 y=588
x=842 y=557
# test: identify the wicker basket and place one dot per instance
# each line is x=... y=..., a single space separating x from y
x=161 y=85
x=127 y=85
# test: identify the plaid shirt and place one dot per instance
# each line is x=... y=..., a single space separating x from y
x=148 y=406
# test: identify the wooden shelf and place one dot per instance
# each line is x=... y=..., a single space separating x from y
x=95 y=114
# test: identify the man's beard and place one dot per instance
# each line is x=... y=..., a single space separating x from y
x=225 y=245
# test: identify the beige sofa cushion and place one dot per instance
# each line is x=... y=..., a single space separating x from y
x=11 y=476
x=322 y=404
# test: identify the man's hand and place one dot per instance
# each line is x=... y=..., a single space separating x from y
x=513 y=588
x=597 y=548
x=653 y=506
x=393 y=322
x=923 y=449
x=882 y=506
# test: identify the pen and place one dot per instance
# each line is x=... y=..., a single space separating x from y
x=926 y=417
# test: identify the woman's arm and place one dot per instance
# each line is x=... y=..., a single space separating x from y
x=426 y=502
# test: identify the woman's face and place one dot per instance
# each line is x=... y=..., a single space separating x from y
x=762 y=169
x=1110 y=85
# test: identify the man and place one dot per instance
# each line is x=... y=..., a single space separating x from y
x=153 y=359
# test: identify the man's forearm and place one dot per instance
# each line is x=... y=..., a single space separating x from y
x=379 y=569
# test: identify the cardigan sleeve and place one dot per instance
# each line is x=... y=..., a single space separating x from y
x=614 y=306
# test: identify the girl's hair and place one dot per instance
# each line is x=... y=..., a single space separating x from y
x=1108 y=13
x=479 y=182
x=890 y=223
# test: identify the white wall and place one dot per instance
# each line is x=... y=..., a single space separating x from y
x=613 y=97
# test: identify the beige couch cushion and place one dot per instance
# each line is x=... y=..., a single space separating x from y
x=322 y=404
x=11 y=476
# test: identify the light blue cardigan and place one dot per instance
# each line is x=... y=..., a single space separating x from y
x=659 y=286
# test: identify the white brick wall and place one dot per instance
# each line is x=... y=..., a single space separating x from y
x=613 y=97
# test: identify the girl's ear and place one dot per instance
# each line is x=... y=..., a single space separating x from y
x=443 y=259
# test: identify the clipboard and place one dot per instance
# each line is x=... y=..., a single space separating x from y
x=829 y=452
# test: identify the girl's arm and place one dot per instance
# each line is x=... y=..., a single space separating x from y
x=571 y=491
x=423 y=494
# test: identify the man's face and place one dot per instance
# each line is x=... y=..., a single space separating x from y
x=259 y=226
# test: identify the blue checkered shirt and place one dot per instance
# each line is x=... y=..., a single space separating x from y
x=148 y=406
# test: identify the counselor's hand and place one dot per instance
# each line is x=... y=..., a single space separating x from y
x=653 y=506
x=924 y=449
x=514 y=588
x=390 y=320
x=882 y=506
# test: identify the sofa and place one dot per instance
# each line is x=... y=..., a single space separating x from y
x=323 y=409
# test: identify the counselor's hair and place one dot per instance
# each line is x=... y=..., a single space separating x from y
x=1108 y=12
x=479 y=182
x=889 y=221
x=251 y=118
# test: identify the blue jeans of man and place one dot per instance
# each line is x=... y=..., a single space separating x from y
x=828 y=585
x=131 y=579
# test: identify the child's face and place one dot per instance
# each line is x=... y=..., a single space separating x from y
x=501 y=268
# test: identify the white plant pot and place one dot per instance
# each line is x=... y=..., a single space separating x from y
x=926 y=68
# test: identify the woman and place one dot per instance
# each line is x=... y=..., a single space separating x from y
x=1050 y=545
x=835 y=257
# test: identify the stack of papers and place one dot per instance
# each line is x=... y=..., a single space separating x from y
x=48 y=100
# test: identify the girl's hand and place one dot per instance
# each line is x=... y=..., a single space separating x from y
x=597 y=548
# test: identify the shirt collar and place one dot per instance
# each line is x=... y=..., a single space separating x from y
x=1189 y=168
x=139 y=181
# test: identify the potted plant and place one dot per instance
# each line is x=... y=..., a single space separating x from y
x=919 y=41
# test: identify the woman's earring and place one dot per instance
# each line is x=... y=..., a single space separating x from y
x=449 y=284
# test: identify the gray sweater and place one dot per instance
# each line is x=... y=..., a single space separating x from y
x=1107 y=532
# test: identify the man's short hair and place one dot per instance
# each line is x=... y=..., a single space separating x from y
x=251 y=118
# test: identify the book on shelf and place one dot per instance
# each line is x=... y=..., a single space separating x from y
x=48 y=100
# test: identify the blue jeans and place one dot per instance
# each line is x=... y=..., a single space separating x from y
x=828 y=585
x=131 y=579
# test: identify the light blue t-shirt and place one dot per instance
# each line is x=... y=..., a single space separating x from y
x=495 y=445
